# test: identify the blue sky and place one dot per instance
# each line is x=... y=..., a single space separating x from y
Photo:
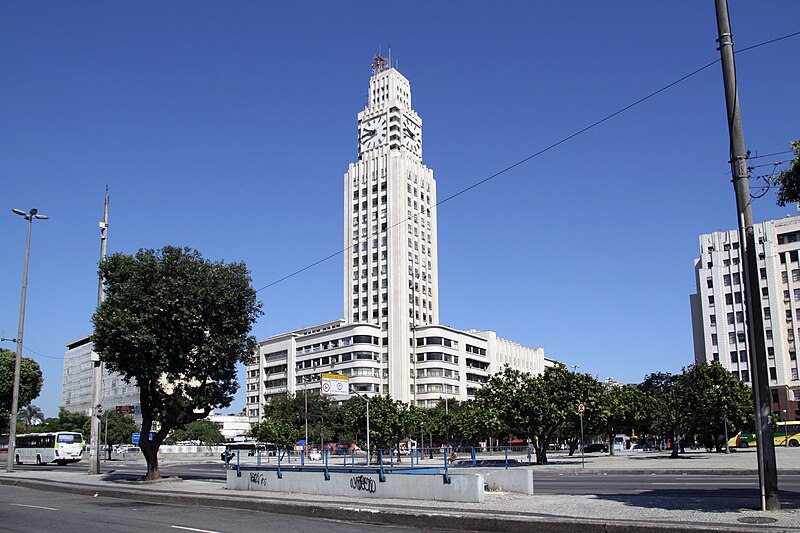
x=227 y=127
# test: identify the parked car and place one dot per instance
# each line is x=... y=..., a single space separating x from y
x=315 y=455
x=596 y=447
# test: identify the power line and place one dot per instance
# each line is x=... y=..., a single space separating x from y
x=41 y=354
x=543 y=150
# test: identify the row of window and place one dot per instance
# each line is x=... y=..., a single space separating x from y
x=437 y=388
x=437 y=356
x=437 y=373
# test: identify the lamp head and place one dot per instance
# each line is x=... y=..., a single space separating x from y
x=20 y=212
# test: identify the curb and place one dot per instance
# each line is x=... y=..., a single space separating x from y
x=377 y=514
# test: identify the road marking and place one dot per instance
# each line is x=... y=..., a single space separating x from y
x=34 y=506
x=700 y=483
x=194 y=529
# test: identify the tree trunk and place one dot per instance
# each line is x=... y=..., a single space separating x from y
x=151 y=456
x=541 y=455
x=611 y=443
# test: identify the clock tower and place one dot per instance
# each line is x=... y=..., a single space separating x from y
x=390 y=262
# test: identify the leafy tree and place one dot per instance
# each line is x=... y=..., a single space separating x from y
x=30 y=382
x=203 y=431
x=627 y=408
x=30 y=414
x=291 y=409
x=176 y=325
x=665 y=418
x=389 y=420
x=788 y=181
x=120 y=428
x=278 y=432
x=712 y=397
x=66 y=421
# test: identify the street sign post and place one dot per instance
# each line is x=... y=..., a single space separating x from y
x=581 y=410
x=126 y=409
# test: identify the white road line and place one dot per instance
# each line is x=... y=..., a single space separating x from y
x=689 y=484
x=34 y=506
x=194 y=529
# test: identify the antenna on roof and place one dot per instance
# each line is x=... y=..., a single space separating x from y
x=390 y=57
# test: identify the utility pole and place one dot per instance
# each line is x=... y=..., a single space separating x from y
x=767 y=466
x=97 y=370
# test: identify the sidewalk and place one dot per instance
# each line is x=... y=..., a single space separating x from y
x=652 y=510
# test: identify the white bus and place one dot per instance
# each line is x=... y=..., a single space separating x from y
x=61 y=447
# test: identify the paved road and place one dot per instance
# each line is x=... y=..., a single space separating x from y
x=27 y=510
x=573 y=482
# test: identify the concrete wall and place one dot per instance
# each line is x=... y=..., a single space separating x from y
x=516 y=480
x=462 y=487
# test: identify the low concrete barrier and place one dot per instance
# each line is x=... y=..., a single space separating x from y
x=462 y=487
x=514 y=480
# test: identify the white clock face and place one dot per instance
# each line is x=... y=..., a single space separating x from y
x=373 y=132
x=412 y=135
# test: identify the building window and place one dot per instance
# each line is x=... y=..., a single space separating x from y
x=714 y=339
x=771 y=352
x=794 y=374
x=767 y=313
x=773 y=374
x=734 y=357
x=769 y=334
x=711 y=300
x=763 y=273
x=740 y=337
x=731 y=318
x=737 y=297
x=729 y=299
x=726 y=280
x=745 y=376
x=743 y=356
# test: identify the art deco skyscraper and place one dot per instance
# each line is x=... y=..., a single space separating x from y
x=391 y=270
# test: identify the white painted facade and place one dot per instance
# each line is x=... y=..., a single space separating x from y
x=389 y=341
x=231 y=426
x=718 y=318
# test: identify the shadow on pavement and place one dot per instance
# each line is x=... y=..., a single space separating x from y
x=701 y=500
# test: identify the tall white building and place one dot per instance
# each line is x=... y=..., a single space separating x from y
x=390 y=340
x=718 y=307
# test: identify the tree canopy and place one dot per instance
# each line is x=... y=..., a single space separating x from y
x=176 y=325
x=202 y=431
x=30 y=381
x=788 y=181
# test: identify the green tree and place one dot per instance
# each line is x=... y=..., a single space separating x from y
x=712 y=397
x=30 y=382
x=389 y=420
x=176 y=325
x=291 y=409
x=30 y=414
x=788 y=181
x=626 y=411
x=120 y=428
x=203 y=431
x=665 y=417
x=278 y=432
x=66 y=421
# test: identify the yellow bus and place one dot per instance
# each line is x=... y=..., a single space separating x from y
x=785 y=433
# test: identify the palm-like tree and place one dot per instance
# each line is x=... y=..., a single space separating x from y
x=29 y=414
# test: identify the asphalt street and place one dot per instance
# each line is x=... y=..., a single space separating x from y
x=573 y=482
x=26 y=510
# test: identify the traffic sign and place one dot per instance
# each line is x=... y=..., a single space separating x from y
x=581 y=408
x=335 y=385
x=126 y=409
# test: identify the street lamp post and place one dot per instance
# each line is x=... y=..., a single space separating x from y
x=12 y=423
x=364 y=397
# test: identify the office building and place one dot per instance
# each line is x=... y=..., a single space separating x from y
x=718 y=307
x=390 y=340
